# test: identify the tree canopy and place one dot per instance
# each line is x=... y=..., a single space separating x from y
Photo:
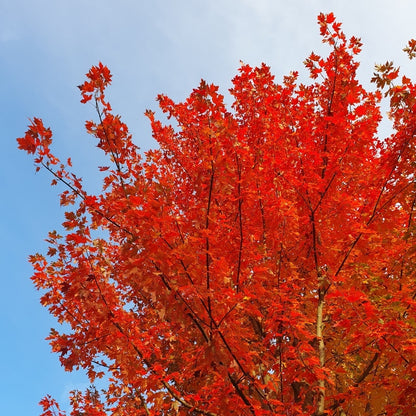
x=260 y=261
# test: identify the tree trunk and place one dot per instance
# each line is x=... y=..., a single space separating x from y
x=321 y=352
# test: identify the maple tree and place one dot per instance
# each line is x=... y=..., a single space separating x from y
x=260 y=261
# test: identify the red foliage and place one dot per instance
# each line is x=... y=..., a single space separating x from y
x=260 y=261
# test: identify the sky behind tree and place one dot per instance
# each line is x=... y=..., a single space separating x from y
x=151 y=47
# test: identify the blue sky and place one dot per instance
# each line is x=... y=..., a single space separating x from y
x=151 y=47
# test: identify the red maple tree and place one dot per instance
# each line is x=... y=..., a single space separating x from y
x=260 y=261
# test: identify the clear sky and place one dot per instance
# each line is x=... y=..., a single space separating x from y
x=151 y=47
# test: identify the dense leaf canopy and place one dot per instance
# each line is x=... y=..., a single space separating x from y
x=260 y=261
